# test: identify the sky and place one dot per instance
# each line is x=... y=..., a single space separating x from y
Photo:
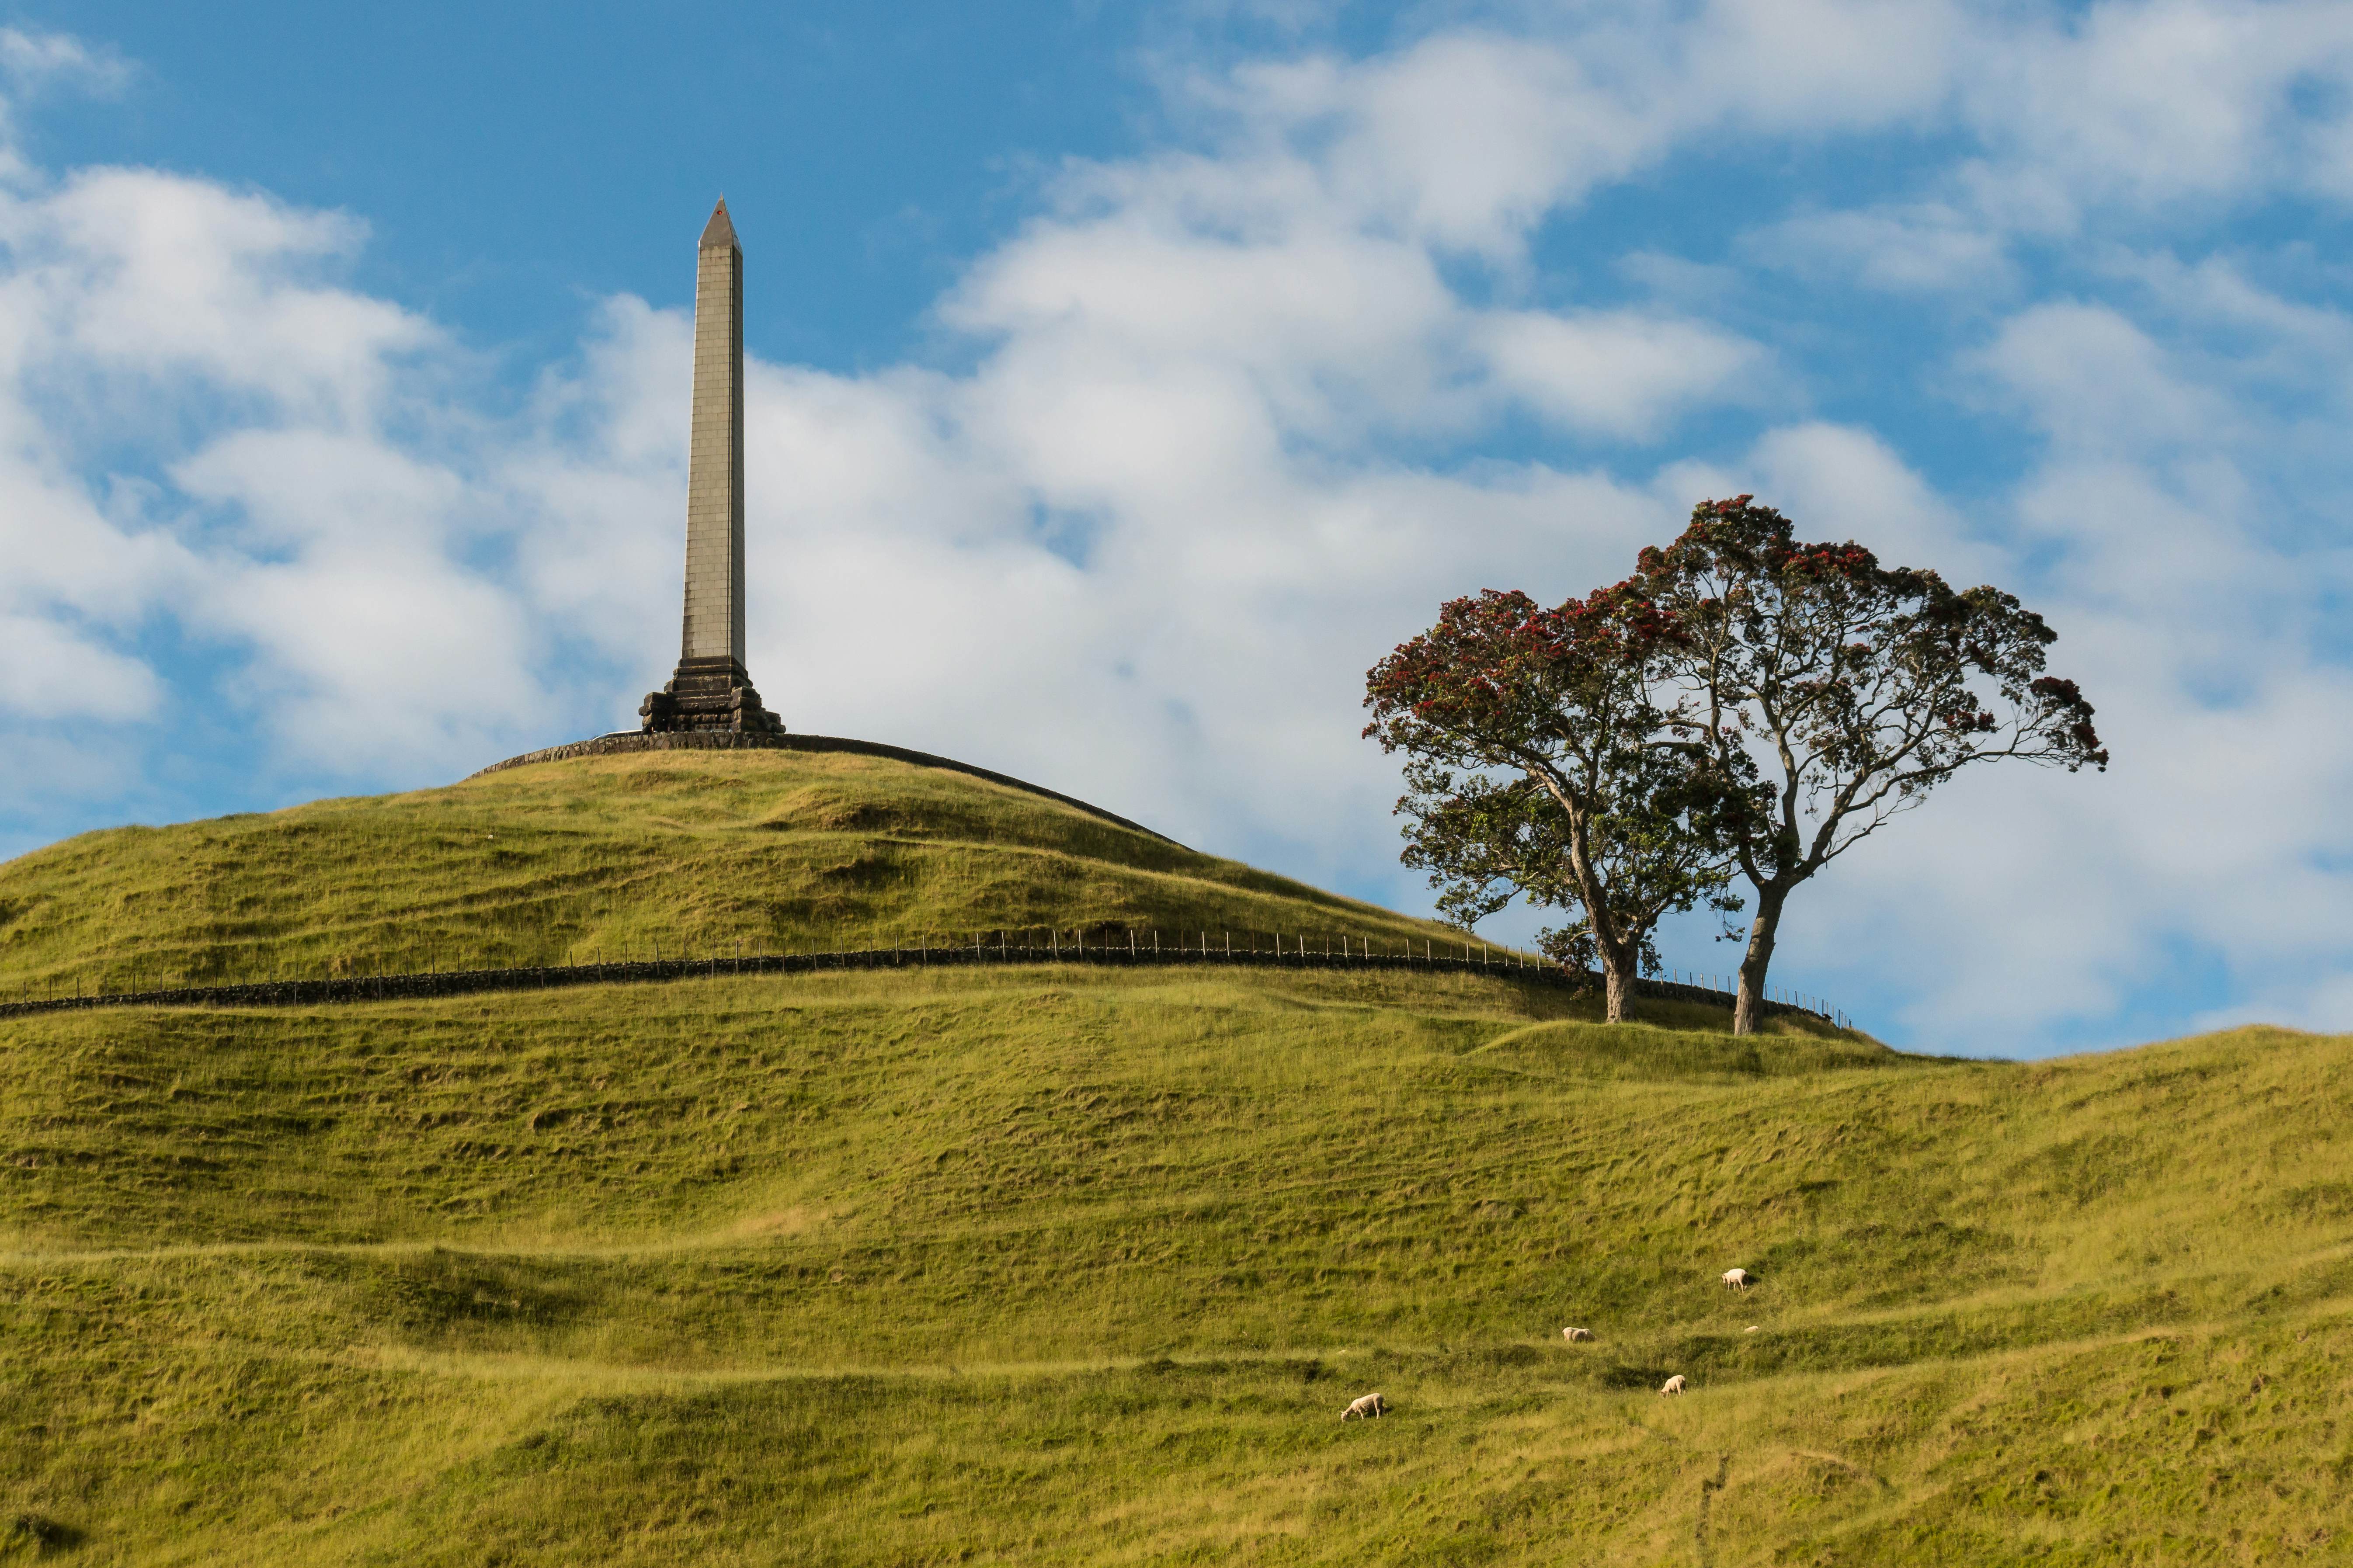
x=1124 y=380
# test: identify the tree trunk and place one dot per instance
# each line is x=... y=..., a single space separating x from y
x=1618 y=971
x=1615 y=991
x=1746 y=1010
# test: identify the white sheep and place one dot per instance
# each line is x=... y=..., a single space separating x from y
x=1737 y=1279
x=1365 y=1409
x=1573 y=1335
x=1673 y=1384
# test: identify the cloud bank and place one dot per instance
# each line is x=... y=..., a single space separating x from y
x=1220 y=422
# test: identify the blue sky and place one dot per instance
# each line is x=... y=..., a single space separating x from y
x=510 y=168
x=1125 y=379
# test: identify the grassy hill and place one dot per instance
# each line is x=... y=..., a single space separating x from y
x=1055 y=1266
x=695 y=850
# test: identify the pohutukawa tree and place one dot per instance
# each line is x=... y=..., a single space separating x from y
x=1540 y=764
x=1833 y=693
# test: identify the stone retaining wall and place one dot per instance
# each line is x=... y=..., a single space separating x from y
x=1128 y=952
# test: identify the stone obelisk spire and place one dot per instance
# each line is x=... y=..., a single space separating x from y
x=710 y=689
x=714 y=469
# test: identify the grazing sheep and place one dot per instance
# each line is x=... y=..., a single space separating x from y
x=1737 y=1279
x=1673 y=1384
x=1365 y=1409
x=1750 y=1330
x=1573 y=1335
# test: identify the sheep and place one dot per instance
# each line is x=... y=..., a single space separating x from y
x=1673 y=1384
x=1367 y=1409
x=1573 y=1335
x=1737 y=1279
x=1750 y=1330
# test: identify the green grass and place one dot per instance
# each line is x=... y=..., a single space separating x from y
x=700 y=852
x=1056 y=1265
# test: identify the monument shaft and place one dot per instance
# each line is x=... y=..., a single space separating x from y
x=714 y=472
x=710 y=689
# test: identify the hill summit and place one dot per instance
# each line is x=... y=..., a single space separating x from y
x=616 y=856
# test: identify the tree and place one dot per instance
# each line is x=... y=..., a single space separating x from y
x=1834 y=693
x=1539 y=765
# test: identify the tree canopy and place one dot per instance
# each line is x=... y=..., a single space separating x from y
x=1745 y=703
x=1833 y=693
x=1540 y=764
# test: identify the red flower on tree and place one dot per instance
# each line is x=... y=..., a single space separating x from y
x=1540 y=766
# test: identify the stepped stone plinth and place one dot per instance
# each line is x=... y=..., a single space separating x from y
x=708 y=694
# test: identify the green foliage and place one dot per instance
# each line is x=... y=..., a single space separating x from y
x=1833 y=693
x=1541 y=766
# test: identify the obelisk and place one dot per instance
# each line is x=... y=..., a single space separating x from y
x=710 y=689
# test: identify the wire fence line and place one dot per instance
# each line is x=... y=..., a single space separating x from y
x=1123 y=948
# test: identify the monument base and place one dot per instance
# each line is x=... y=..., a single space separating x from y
x=711 y=695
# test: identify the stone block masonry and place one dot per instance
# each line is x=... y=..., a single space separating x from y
x=714 y=477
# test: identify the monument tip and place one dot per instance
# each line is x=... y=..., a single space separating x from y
x=718 y=231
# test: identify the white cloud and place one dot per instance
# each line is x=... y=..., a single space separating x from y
x=34 y=63
x=2174 y=100
x=2097 y=382
x=2144 y=107
x=2015 y=901
x=1218 y=445
x=1825 y=64
x=35 y=60
x=1924 y=247
x=2166 y=530
x=49 y=673
x=150 y=280
x=197 y=330
x=1462 y=141
x=1618 y=373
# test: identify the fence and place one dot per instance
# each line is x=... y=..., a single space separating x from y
x=1119 y=949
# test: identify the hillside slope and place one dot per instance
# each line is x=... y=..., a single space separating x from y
x=699 y=851
x=1050 y=1265
x=1063 y=1265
